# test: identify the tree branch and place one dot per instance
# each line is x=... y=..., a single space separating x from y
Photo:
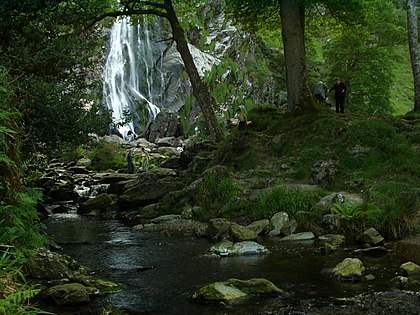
x=124 y=13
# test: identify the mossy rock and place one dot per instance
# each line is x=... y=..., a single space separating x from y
x=217 y=292
x=69 y=293
x=234 y=289
x=410 y=268
x=350 y=269
x=256 y=286
x=103 y=286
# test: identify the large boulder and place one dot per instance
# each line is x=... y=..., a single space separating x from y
x=303 y=236
x=67 y=294
x=149 y=188
x=409 y=268
x=99 y=204
x=164 y=125
x=371 y=236
x=219 y=228
x=234 y=289
x=228 y=248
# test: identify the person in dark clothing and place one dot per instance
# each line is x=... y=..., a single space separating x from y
x=130 y=163
x=339 y=89
x=242 y=120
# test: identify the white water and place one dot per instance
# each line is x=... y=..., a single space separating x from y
x=130 y=73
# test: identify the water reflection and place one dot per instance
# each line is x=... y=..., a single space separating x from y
x=117 y=253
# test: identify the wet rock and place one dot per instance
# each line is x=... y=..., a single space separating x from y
x=67 y=294
x=259 y=227
x=149 y=188
x=44 y=264
x=303 y=236
x=409 y=268
x=228 y=248
x=166 y=218
x=278 y=220
x=219 y=228
x=241 y=233
x=400 y=282
x=350 y=269
x=332 y=222
x=331 y=242
x=234 y=289
x=372 y=251
x=217 y=292
x=289 y=227
x=371 y=236
x=99 y=204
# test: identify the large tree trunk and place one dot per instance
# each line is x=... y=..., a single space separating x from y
x=299 y=96
x=413 y=43
x=200 y=90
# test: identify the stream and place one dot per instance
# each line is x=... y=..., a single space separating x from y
x=161 y=272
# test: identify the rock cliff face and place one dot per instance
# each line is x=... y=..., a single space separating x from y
x=154 y=71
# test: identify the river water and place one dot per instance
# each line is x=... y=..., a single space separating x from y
x=161 y=272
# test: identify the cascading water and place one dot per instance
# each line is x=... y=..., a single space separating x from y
x=133 y=82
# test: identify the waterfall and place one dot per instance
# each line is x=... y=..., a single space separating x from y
x=133 y=81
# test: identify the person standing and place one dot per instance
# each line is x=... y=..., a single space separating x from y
x=339 y=89
x=242 y=120
x=320 y=90
x=129 y=159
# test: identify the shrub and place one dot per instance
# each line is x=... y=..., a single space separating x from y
x=106 y=156
x=14 y=290
x=213 y=193
x=19 y=222
x=283 y=199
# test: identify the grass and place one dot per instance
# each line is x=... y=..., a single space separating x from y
x=388 y=169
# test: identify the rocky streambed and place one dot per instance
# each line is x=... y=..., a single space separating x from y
x=162 y=271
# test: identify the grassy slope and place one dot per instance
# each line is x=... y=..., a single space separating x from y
x=280 y=149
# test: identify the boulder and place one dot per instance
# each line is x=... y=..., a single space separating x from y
x=323 y=172
x=350 y=269
x=65 y=294
x=289 y=227
x=99 y=204
x=149 y=188
x=331 y=242
x=409 y=268
x=371 y=236
x=228 y=248
x=303 y=236
x=375 y=251
x=219 y=228
x=241 y=233
x=234 y=289
x=259 y=227
x=278 y=220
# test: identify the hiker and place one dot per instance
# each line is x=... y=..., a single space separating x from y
x=129 y=159
x=130 y=136
x=339 y=89
x=320 y=90
x=145 y=160
x=242 y=120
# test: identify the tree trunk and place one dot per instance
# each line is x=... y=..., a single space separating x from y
x=299 y=96
x=413 y=43
x=200 y=90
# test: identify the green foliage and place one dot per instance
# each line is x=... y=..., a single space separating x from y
x=391 y=209
x=71 y=152
x=213 y=193
x=346 y=211
x=52 y=69
x=237 y=152
x=363 y=56
x=15 y=291
x=390 y=153
x=284 y=199
x=19 y=221
x=106 y=156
